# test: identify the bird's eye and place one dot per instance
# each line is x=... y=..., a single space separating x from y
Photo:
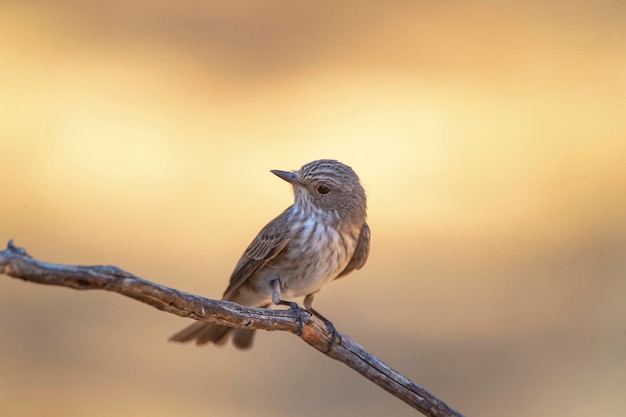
x=322 y=189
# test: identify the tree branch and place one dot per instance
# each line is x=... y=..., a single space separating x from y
x=17 y=263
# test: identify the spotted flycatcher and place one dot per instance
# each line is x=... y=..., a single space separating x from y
x=321 y=237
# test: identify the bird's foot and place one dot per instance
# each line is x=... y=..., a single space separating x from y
x=299 y=311
x=334 y=334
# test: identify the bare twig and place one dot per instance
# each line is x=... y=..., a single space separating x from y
x=15 y=262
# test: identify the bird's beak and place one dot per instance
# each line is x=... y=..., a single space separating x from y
x=288 y=176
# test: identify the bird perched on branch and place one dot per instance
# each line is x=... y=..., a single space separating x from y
x=321 y=237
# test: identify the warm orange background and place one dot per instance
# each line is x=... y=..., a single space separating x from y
x=491 y=137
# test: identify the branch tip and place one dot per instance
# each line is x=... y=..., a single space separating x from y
x=21 y=251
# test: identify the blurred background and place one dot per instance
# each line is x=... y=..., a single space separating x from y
x=490 y=136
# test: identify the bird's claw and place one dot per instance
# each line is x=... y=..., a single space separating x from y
x=299 y=312
x=334 y=334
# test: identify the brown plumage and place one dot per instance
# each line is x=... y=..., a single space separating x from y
x=321 y=237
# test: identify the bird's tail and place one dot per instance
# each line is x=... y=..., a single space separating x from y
x=204 y=333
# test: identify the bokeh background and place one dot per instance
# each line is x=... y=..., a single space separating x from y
x=491 y=137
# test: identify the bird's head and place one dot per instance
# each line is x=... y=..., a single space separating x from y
x=328 y=189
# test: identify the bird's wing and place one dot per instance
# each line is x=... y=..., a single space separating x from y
x=360 y=253
x=270 y=241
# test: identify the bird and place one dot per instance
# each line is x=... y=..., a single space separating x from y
x=321 y=237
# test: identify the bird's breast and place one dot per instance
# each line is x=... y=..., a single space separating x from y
x=315 y=254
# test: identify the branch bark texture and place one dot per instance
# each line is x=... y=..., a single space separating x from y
x=17 y=263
